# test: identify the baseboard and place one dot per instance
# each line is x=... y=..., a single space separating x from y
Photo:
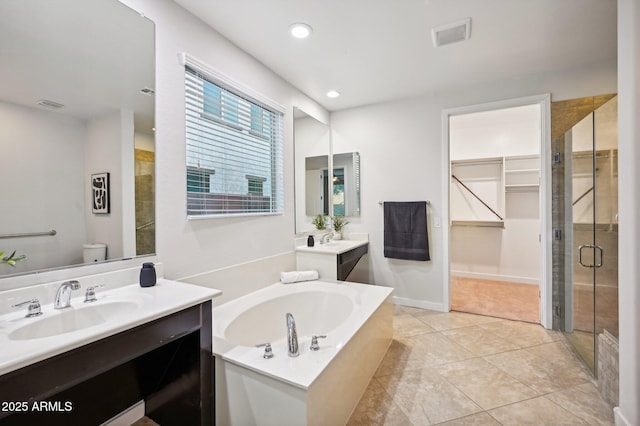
x=495 y=277
x=620 y=420
x=423 y=304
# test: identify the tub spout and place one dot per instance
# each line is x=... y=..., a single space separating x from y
x=292 y=336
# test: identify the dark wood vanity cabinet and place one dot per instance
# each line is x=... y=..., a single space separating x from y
x=166 y=362
x=345 y=262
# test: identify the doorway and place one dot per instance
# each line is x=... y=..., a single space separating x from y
x=589 y=294
x=498 y=255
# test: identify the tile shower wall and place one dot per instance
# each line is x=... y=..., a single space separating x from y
x=608 y=368
x=145 y=204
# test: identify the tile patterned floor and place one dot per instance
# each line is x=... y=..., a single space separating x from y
x=463 y=369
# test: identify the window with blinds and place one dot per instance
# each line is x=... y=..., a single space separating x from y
x=234 y=151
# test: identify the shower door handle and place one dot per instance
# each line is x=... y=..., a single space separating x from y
x=580 y=254
x=594 y=247
x=598 y=265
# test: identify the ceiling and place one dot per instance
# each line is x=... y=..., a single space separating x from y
x=378 y=50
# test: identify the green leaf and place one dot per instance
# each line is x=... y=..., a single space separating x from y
x=12 y=259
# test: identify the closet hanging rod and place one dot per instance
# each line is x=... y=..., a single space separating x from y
x=382 y=202
x=590 y=155
x=477 y=161
x=30 y=234
x=582 y=196
x=476 y=196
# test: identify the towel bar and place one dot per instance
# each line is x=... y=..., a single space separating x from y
x=382 y=202
x=29 y=234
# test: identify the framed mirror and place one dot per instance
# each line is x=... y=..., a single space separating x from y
x=76 y=133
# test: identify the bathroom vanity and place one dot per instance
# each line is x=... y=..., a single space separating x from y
x=87 y=363
x=333 y=260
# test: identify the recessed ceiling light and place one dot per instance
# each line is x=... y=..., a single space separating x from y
x=300 y=30
x=333 y=94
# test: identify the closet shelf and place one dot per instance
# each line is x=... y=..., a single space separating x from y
x=479 y=223
x=522 y=187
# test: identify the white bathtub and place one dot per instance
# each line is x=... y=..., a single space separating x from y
x=317 y=387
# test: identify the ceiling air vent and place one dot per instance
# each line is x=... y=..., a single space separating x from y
x=451 y=33
x=49 y=104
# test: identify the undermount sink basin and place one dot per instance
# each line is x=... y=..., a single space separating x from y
x=338 y=244
x=333 y=246
x=72 y=319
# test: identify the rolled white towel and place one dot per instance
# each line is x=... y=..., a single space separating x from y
x=296 y=276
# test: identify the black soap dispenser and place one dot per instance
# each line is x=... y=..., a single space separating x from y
x=310 y=241
x=148 y=275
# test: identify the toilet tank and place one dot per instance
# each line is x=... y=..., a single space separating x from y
x=95 y=252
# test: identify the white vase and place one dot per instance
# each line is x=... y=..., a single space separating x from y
x=337 y=235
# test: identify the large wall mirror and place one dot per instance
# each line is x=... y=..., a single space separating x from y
x=325 y=184
x=76 y=133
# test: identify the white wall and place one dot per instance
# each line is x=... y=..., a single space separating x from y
x=51 y=145
x=402 y=159
x=503 y=132
x=629 y=205
x=196 y=246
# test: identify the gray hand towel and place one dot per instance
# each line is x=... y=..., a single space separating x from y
x=405 y=230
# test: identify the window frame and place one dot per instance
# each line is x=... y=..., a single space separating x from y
x=257 y=106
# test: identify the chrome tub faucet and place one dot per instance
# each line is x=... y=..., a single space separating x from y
x=292 y=336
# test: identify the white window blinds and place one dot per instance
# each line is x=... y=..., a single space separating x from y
x=234 y=151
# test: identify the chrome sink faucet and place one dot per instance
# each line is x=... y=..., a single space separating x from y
x=292 y=336
x=325 y=238
x=63 y=296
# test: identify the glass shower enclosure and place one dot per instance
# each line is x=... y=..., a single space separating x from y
x=590 y=295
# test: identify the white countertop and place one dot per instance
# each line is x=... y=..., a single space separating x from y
x=333 y=247
x=165 y=298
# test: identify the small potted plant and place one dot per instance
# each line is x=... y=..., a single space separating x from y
x=12 y=259
x=339 y=222
x=320 y=222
